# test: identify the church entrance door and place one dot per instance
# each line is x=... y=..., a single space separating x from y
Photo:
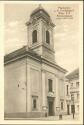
x=50 y=106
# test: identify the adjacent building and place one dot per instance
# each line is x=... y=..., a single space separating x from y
x=34 y=83
x=72 y=92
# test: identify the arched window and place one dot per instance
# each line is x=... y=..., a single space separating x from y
x=47 y=37
x=34 y=36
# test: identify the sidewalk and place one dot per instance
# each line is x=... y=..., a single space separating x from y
x=51 y=118
x=65 y=117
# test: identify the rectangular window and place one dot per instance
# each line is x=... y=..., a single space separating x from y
x=34 y=103
x=77 y=84
x=78 y=107
x=50 y=85
x=72 y=108
x=61 y=105
x=67 y=89
x=77 y=95
x=72 y=97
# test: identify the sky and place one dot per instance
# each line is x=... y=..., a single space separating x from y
x=66 y=31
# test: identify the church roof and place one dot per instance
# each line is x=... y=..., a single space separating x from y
x=38 y=13
x=26 y=52
x=73 y=74
x=38 y=9
x=22 y=51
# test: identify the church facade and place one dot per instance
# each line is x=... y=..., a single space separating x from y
x=34 y=83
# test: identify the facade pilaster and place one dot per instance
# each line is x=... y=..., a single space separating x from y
x=43 y=90
x=28 y=89
x=57 y=100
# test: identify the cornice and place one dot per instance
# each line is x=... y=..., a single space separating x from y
x=34 y=46
x=53 y=64
x=19 y=54
x=25 y=52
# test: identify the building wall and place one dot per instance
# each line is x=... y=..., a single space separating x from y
x=58 y=87
x=38 y=47
x=53 y=93
x=33 y=84
x=73 y=90
x=38 y=75
x=26 y=79
x=15 y=87
x=67 y=96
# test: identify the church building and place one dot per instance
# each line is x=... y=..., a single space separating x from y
x=34 y=82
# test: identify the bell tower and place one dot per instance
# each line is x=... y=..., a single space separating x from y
x=40 y=33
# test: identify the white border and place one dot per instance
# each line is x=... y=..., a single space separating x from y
x=1 y=63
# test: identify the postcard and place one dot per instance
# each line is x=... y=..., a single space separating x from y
x=41 y=62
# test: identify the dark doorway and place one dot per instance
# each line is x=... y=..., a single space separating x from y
x=68 y=111
x=72 y=108
x=51 y=108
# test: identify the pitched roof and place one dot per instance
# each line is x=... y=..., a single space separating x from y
x=39 y=8
x=38 y=13
x=73 y=74
x=26 y=52
x=22 y=51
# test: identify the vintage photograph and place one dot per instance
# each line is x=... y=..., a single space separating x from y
x=41 y=61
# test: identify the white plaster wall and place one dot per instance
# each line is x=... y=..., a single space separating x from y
x=15 y=97
x=50 y=76
x=15 y=73
x=35 y=88
x=67 y=97
x=61 y=88
x=74 y=82
x=58 y=85
x=52 y=70
x=35 y=85
x=36 y=26
x=46 y=27
x=48 y=54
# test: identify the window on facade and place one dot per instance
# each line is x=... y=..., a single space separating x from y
x=67 y=87
x=72 y=108
x=34 y=103
x=78 y=107
x=61 y=105
x=77 y=84
x=34 y=36
x=77 y=95
x=47 y=37
x=50 y=85
x=72 y=97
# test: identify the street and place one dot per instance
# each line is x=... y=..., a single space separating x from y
x=52 y=118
